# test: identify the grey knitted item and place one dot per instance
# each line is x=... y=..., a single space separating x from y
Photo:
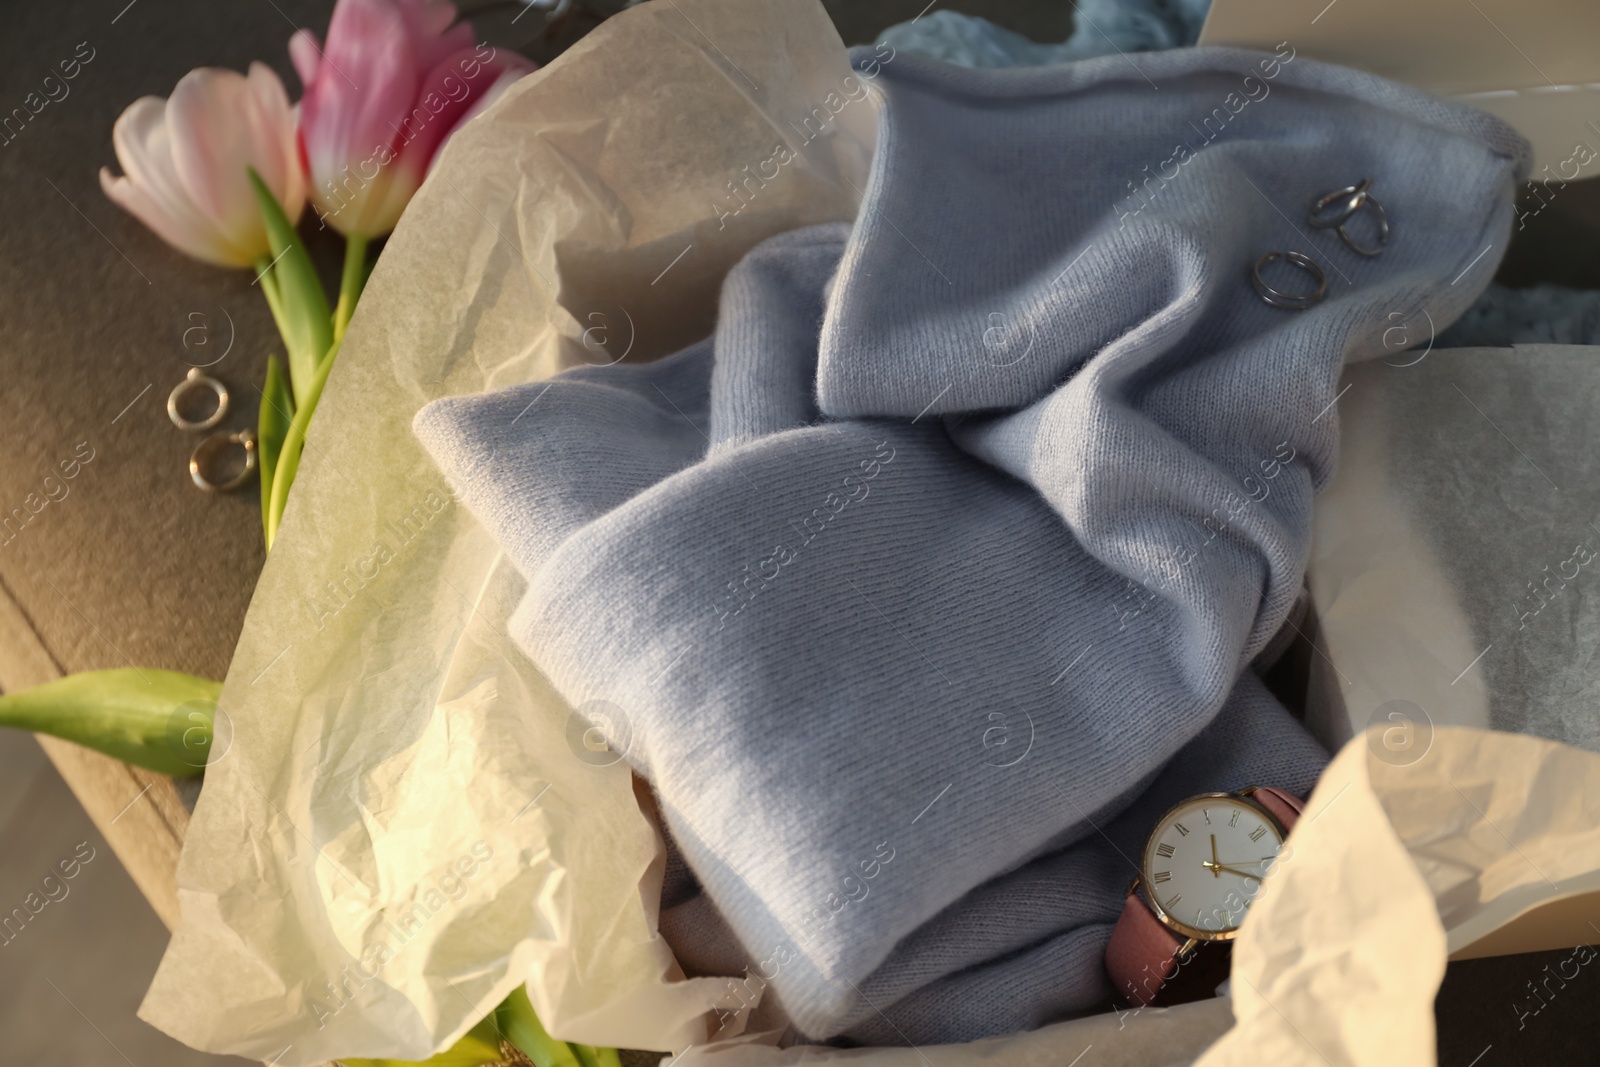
x=1540 y=314
x=1025 y=949
x=928 y=564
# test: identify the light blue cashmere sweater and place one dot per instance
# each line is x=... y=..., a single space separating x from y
x=913 y=579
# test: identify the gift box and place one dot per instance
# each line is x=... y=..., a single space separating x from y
x=588 y=218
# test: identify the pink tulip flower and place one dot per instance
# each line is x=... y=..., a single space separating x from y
x=395 y=78
x=185 y=159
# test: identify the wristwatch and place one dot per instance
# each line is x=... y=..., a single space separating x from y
x=1203 y=865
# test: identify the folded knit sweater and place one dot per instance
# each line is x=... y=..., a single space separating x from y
x=913 y=579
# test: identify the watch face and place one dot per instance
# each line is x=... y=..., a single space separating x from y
x=1205 y=862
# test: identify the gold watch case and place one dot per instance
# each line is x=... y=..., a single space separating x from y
x=1194 y=933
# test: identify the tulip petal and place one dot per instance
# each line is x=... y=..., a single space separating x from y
x=514 y=69
x=448 y=96
x=217 y=130
x=153 y=192
x=140 y=139
x=186 y=161
x=306 y=55
x=349 y=115
x=394 y=78
x=274 y=128
x=137 y=201
x=431 y=31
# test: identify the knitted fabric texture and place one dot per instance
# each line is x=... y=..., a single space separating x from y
x=920 y=571
x=1540 y=314
x=1100 y=27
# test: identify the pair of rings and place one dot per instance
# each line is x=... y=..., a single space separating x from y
x=1354 y=197
x=209 y=454
x=1348 y=201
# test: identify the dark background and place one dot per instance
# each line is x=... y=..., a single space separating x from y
x=135 y=566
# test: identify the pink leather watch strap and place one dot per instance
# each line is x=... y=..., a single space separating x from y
x=1285 y=807
x=1143 y=952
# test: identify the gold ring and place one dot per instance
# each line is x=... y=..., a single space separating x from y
x=196 y=380
x=208 y=452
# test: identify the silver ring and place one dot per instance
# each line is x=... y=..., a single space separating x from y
x=207 y=452
x=1289 y=301
x=196 y=380
x=1383 y=230
x=1357 y=196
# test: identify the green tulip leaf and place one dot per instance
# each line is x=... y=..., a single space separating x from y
x=272 y=426
x=522 y=1028
x=160 y=720
x=589 y=1056
x=288 y=463
x=304 y=318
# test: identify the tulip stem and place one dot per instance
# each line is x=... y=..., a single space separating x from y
x=288 y=458
x=350 y=285
x=293 y=442
x=269 y=289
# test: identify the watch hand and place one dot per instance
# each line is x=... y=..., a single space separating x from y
x=1216 y=870
x=1214 y=873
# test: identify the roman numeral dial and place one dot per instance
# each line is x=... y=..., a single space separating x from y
x=1211 y=853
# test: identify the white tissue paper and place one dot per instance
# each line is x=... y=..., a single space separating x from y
x=409 y=822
